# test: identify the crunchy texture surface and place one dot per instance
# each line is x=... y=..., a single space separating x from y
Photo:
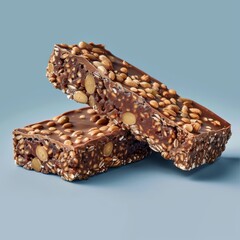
x=76 y=145
x=180 y=129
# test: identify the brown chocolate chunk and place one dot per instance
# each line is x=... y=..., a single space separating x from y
x=84 y=148
x=140 y=103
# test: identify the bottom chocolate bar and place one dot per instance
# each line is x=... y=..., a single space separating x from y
x=76 y=145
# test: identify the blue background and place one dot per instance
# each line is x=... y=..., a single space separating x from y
x=192 y=46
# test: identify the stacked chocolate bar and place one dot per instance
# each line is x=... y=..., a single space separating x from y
x=129 y=111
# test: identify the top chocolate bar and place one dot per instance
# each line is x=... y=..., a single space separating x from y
x=179 y=128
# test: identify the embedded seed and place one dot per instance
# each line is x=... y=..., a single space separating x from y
x=129 y=118
x=90 y=56
x=175 y=108
x=52 y=129
x=194 y=115
x=68 y=130
x=196 y=127
x=102 y=69
x=123 y=75
x=45 y=132
x=100 y=135
x=150 y=95
x=41 y=153
x=94 y=118
x=84 y=45
x=36 y=164
x=63 y=119
x=185 y=109
x=186 y=120
x=94 y=132
x=195 y=110
x=75 y=50
x=113 y=128
x=97 y=63
x=85 y=139
x=111 y=75
x=80 y=96
x=173 y=100
x=156 y=85
x=153 y=103
x=67 y=125
x=90 y=84
x=50 y=68
x=161 y=104
x=107 y=149
x=188 y=127
x=64 y=55
x=51 y=124
x=78 y=140
x=102 y=121
x=145 y=77
x=145 y=84
x=82 y=116
x=57 y=131
x=170 y=112
x=76 y=133
x=64 y=137
x=149 y=90
x=130 y=82
x=91 y=101
x=172 y=91
x=133 y=89
x=91 y=111
x=216 y=122
x=67 y=142
x=107 y=64
x=123 y=69
x=175 y=143
x=119 y=77
x=37 y=126
x=103 y=128
x=103 y=57
x=98 y=50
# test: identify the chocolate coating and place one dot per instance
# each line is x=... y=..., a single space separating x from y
x=84 y=147
x=180 y=129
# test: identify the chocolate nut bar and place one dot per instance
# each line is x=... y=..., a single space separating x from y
x=76 y=145
x=179 y=128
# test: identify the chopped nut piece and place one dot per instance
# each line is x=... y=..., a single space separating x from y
x=102 y=69
x=41 y=153
x=129 y=118
x=107 y=149
x=188 y=127
x=90 y=84
x=91 y=101
x=80 y=96
x=124 y=70
x=154 y=103
x=130 y=82
x=111 y=75
x=36 y=164
x=67 y=125
x=84 y=45
x=62 y=120
x=67 y=142
x=50 y=68
x=145 y=77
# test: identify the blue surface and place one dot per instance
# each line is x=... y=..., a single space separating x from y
x=192 y=46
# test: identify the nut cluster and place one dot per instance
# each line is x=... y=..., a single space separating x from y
x=50 y=152
x=132 y=99
x=183 y=112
